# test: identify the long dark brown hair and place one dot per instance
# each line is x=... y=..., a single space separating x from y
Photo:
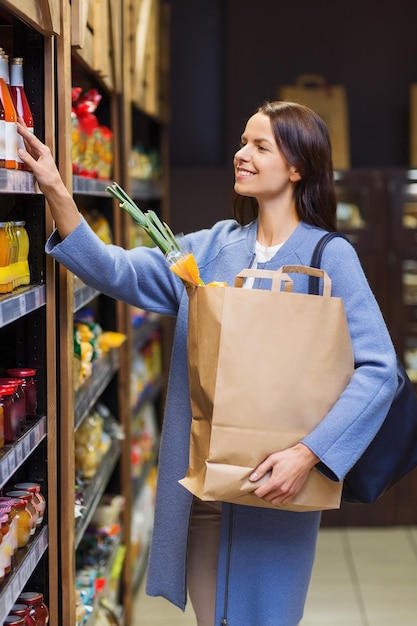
x=303 y=140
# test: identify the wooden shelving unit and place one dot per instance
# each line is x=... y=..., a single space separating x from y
x=102 y=44
x=28 y=314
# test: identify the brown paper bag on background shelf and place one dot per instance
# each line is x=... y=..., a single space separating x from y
x=330 y=102
x=264 y=368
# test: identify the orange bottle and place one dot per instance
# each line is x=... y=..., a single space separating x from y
x=20 y=100
x=2 y=135
x=2 y=131
x=11 y=134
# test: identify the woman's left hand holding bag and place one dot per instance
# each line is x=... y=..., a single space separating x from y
x=288 y=470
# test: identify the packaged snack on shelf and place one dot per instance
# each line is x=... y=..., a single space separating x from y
x=99 y=224
x=89 y=447
x=92 y=142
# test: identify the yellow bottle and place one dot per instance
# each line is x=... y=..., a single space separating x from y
x=11 y=230
x=23 y=272
x=5 y=253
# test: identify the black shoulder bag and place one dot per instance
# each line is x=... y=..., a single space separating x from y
x=393 y=452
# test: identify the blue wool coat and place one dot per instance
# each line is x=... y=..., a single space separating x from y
x=266 y=555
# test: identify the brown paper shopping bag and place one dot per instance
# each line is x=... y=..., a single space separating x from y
x=265 y=366
x=330 y=102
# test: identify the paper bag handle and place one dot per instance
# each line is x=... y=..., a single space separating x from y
x=310 y=271
x=271 y=274
x=280 y=275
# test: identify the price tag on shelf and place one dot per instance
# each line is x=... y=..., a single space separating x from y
x=22 y=578
x=38 y=298
x=15 y=587
x=11 y=462
x=37 y=434
x=19 y=454
x=22 y=305
x=4 y=471
x=26 y=446
x=8 y=597
x=32 y=561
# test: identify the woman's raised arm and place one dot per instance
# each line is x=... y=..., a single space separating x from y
x=38 y=156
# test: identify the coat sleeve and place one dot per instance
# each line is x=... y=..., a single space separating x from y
x=343 y=435
x=141 y=277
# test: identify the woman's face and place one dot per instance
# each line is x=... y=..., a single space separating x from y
x=260 y=169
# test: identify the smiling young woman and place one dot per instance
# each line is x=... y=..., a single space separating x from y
x=243 y=564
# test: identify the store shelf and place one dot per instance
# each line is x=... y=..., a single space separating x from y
x=149 y=394
x=21 y=302
x=105 y=573
x=83 y=294
x=140 y=569
x=143 y=331
x=104 y=369
x=90 y=186
x=96 y=488
x=139 y=482
x=16 y=181
x=26 y=561
x=13 y=456
x=146 y=189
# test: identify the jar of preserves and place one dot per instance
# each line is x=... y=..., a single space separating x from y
x=28 y=374
x=19 y=410
x=1 y=422
x=14 y=620
x=2 y=572
x=23 y=519
x=22 y=610
x=7 y=399
x=37 y=607
x=31 y=505
x=10 y=512
x=35 y=490
x=6 y=544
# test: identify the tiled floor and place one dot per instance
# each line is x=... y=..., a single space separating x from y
x=361 y=577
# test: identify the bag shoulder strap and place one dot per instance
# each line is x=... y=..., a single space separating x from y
x=313 y=281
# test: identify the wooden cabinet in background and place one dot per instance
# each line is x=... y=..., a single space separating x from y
x=377 y=209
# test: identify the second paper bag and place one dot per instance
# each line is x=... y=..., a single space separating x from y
x=265 y=367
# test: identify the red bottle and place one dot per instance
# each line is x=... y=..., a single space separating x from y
x=20 y=100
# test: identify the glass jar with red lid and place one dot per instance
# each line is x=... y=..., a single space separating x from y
x=2 y=572
x=14 y=620
x=28 y=375
x=6 y=544
x=22 y=610
x=19 y=413
x=7 y=400
x=35 y=489
x=1 y=422
x=31 y=504
x=37 y=607
x=23 y=519
x=11 y=514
